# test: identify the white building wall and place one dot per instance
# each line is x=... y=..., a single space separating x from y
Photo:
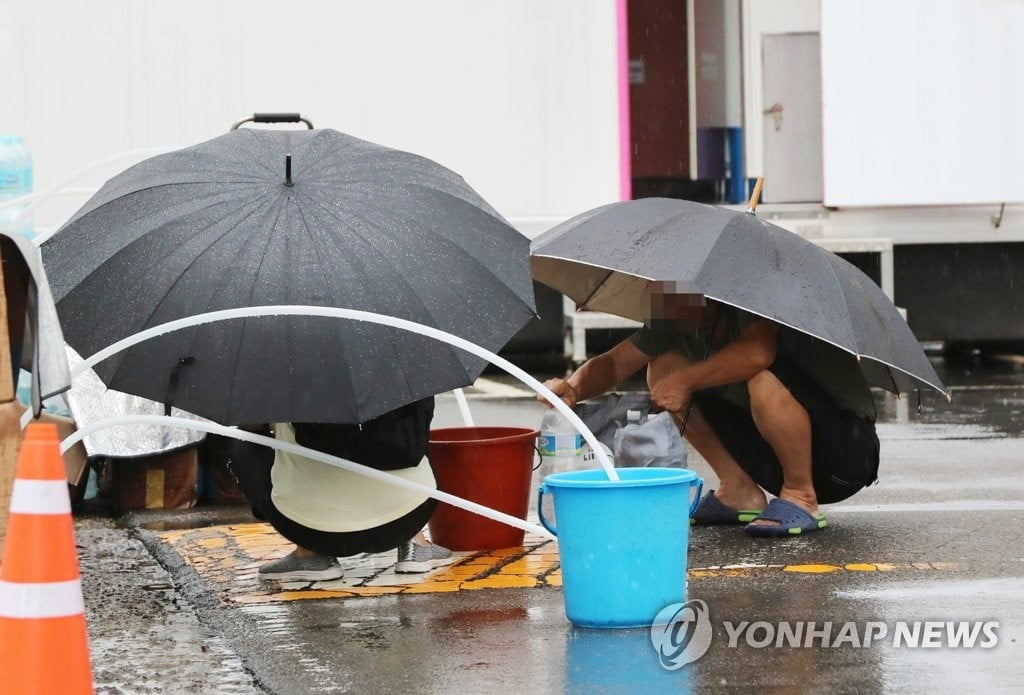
x=923 y=102
x=518 y=97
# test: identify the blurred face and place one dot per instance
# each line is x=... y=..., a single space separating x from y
x=686 y=311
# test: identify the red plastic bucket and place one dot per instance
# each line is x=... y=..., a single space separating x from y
x=492 y=466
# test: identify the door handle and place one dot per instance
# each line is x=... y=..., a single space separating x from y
x=775 y=111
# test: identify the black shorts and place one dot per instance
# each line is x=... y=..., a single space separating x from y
x=844 y=445
x=251 y=464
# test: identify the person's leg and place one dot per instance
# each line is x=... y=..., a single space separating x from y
x=736 y=488
x=250 y=464
x=786 y=426
x=844 y=445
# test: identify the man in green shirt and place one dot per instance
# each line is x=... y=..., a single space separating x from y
x=772 y=410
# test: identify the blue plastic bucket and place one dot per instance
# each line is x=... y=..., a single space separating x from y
x=618 y=661
x=622 y=543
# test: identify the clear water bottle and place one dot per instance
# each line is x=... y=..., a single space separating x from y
x=16 y=174
x=28 y=177
x=561 y=445
x=10 y=176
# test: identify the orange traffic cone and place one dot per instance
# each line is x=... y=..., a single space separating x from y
x=43 y=640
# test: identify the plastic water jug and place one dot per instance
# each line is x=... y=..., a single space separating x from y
x=16 y=174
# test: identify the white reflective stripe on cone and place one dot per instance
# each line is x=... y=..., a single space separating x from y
x=41 y=599
x=40 y=497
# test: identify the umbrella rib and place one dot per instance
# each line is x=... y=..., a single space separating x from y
x=366 y=241
x=323 y=273
x=492 y=214
x=401 y=277
x=120 y=196
x=398 y=274
x=123 y=249
x=842 y=293
x=256 y=208
x=888 y=371
x=214 y=199
x=876 y=359
x=479 y=203
x=835 y=277
x=832 y=343
x=588 y=263
x=476 y=262
x=252 y=154
x=909 y=374
x=149 y=318
x=265 y=254
x=596 y=289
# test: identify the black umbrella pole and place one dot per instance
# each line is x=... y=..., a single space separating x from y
x=288 y=170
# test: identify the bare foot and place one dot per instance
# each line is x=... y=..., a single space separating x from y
x=741 y=497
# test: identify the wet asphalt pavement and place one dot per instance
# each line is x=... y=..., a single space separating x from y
x=939 y=539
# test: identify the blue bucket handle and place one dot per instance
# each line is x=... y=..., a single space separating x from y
x=540 y=511
x=696 y=498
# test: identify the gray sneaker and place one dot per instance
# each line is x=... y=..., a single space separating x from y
x=313 y=568
x=414 y=558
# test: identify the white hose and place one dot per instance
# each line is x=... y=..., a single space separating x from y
x=467 y=417
x=212 y=427
x=356 y=315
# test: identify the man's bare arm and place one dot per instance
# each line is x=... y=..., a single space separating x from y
x=753 y=352
x=600 y=373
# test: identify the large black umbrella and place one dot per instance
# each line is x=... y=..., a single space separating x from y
x=614 y=258
x=288 y=217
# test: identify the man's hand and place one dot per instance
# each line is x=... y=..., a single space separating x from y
x=671 y=393
x=561 y=388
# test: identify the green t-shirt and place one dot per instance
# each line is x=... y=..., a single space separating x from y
x=835 y=370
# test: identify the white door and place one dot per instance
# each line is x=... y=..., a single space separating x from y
x=791 y=65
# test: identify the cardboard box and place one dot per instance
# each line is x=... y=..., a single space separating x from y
x=162 y=481
x=76 y=461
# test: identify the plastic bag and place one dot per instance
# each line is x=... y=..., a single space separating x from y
x=605 y=418
x=654 y=442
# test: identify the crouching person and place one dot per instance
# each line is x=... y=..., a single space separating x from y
x=330 y=512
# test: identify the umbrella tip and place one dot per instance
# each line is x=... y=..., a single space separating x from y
x=288 y=170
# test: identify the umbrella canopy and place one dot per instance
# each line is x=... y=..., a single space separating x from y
x=272 y=217
x=614 y=258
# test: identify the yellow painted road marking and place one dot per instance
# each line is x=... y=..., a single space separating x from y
x=816 y=568
x=228 y=557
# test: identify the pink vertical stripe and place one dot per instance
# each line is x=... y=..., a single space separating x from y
x=625 y=158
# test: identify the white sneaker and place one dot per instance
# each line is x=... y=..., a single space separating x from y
x=414 y=558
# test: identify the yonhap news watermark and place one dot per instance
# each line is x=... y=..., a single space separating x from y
x=860 y=635
x=682 y=633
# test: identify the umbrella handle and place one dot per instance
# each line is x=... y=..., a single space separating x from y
x=275 y=118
